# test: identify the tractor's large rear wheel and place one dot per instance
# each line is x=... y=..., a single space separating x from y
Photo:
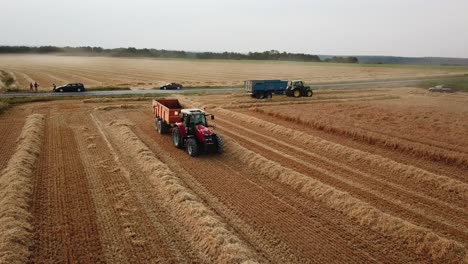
x=219 y=144
x=177 y=139
x=192 y=147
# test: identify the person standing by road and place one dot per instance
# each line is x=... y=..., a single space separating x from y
x=30 y=86
x=55 y=86
x=35 y=86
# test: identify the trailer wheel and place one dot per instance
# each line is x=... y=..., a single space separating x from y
x=309 y=93
x=192 y=147
x=220 y=144
x=160 y=128
x=164 y=127
x=296 y=93
x=259 y=95
x=177 y=140
x=269 y=95
x=156 y=120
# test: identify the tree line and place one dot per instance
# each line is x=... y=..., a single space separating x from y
x=161 y=53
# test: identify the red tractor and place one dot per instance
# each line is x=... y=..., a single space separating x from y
x=189 y=127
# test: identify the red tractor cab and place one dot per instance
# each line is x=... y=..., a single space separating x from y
x=192 y=132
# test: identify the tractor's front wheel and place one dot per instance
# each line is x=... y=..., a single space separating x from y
x=192 y=147
x=177 y=140
x=219 y=144
x=309 y=93
x=297 y=93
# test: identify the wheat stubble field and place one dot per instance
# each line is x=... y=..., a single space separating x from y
x=349 y=176
x=147 y=73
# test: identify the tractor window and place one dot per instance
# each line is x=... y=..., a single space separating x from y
x=298 y=84
x=198 y=119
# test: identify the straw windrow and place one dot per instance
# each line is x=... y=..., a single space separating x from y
x=15 y=193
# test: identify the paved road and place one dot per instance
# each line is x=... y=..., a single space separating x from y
x=216 y=90
x=123 y=92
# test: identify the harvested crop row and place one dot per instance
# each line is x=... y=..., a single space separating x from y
x=401 y=172
x=324 y=100
x=290 y=100
x=15 y=191
x=417 y=150
x=422 y=241
x=11 y=130
x=110 y=100
x=123 y=106
x=209 y=234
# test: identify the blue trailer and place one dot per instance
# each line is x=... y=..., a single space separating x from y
x=265 y=88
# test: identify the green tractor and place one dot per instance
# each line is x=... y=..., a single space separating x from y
x=298 y=89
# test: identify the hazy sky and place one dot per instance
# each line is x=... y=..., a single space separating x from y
x=347 y=27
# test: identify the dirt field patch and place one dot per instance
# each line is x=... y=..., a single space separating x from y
x=347 y=176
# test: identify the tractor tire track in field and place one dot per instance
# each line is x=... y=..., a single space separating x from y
x=64 y=216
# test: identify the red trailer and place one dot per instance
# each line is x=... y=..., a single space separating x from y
x=166 y=113
x=189 y=127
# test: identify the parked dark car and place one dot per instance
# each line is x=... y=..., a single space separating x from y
x=171 y=86
x=70 y=87
x=442 y=89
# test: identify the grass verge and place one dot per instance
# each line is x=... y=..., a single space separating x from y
x=459 y=83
